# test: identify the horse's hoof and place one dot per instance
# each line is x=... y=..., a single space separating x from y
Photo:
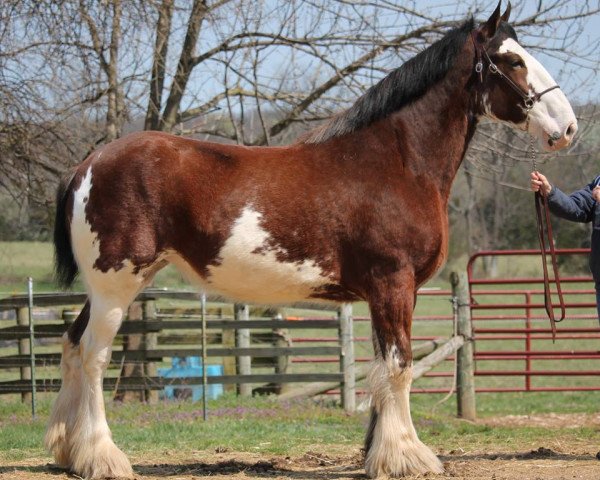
x=393 y=461
x=101 y=461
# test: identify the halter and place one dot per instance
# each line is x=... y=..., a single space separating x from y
x=529 y=98
x=542 y=209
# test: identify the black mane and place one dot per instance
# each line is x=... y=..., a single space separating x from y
x=402 y=86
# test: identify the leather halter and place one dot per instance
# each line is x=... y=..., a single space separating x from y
x=542 y=209
x=529 y=98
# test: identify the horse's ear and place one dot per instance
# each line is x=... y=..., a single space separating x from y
x=506 y=14
x=488 y=29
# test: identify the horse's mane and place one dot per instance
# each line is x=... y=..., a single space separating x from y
x=402 y=86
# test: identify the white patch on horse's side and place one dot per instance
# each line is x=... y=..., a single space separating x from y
x=115 y=283
x=553 y=113
x=84 y=240
x=250 y=270
x=396 y=450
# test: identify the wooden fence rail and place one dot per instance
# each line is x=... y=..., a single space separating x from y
x=241 y=342
x=234 y=338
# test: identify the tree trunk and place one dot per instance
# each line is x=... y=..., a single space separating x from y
x=161 y=46
x=114 y=120
x=185 y=66
x=133 y=369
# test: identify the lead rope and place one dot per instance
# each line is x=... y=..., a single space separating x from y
x=544 y=227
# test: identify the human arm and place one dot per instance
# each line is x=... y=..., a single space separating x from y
x=577 y=207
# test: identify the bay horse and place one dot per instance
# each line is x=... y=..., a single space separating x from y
x=356 y=209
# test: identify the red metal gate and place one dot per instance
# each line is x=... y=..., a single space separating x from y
x=512 y=333
x=514 y=351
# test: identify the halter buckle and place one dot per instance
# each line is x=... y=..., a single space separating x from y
x=529 y=102
x=493 y=68
x=479 y=67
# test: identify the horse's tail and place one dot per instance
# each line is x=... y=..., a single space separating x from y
x=65 y=267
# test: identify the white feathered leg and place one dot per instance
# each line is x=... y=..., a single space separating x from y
x=93 y=453
x=393 y=447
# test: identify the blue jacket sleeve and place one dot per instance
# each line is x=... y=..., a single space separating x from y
x=577 y=207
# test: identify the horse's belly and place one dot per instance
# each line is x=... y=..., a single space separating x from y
x=265 y=280
x=250 y=268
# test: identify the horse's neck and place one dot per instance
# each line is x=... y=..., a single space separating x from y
x=435 y=130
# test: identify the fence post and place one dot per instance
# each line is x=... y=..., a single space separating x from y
x=528 y=299
x=282 y=340
x=31 y=345
x=229 y=362
x=244 y=362
x=68 y=316
x=465 y=375
x=23 y=320
x=347 y=357
x=150 y=343
x=131 y=342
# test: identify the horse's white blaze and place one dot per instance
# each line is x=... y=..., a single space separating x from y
x=396 y=449
x=251 y=268
x=553 y=113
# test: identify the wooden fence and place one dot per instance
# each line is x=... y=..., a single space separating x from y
x=253 y=347
x=244 y=344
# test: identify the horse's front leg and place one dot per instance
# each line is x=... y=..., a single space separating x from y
x=392 y=446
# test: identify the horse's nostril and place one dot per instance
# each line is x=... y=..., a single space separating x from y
x=571 y=129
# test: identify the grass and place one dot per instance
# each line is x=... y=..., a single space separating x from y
x=19 y=260
x=263 y=425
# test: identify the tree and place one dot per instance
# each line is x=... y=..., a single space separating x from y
x=78 y=73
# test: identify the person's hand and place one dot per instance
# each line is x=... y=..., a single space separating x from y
x=540 y=183
x=596 y=193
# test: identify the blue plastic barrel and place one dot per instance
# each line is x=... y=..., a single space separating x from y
x=191 y=367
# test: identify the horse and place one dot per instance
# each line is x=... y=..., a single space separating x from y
x=354 y=210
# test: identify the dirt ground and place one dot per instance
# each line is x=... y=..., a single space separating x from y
x=553 y=461
x=541 y=464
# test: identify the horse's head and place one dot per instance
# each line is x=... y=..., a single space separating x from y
x=515 y=88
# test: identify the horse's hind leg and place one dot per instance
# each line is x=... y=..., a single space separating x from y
x=78 y=433
x=392 y=446
x=93 y=453
x=66 y=406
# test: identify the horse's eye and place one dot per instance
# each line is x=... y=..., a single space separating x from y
x=517 y=64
